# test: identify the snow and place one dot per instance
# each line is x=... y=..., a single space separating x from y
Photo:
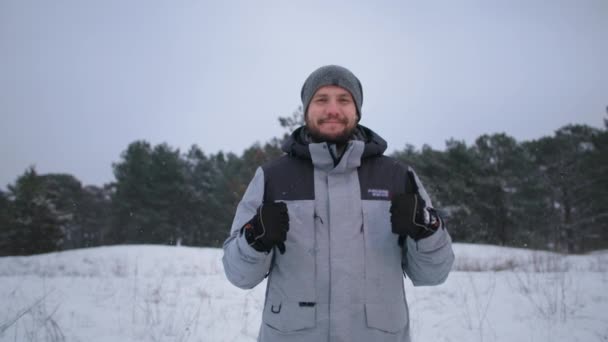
x=160 y=293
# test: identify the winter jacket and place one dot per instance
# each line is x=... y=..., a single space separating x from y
x=341 y=277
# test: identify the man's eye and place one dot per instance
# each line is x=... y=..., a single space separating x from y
x=321 y=100
x=344 y=101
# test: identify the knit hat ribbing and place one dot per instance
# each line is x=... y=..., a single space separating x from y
x=332 y=75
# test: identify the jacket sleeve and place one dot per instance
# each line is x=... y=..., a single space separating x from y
x=244 y=266
x=428 y=261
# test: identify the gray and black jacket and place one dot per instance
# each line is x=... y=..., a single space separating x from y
x=341 y=277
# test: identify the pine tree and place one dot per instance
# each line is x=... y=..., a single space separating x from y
x=37 y=225
x=149 y=195
x=93 y=217
x=7 y=225
x=208 y=206
x=131 y=193
x=568 y=178
x=64 y=193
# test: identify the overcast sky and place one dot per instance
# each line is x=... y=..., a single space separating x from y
x=81 y=79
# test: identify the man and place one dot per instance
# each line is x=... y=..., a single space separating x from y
x=335 y=225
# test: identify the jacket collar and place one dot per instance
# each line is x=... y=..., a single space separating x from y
x=364 y=143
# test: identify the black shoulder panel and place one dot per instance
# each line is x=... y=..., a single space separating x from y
x=288 y=178
x=381 y=177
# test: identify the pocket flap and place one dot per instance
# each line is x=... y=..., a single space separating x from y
x=289 y=316
x=390 y=318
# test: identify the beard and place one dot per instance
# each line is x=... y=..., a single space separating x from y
x=338 y=139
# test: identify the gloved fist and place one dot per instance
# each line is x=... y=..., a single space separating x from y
x=268 y=228
x=410 y=215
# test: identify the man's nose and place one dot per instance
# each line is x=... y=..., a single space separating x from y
x=332 y=107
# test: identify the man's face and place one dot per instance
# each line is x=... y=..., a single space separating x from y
x=332 y=114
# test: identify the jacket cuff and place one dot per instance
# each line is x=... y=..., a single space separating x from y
x=434 y=241
x=247 y=252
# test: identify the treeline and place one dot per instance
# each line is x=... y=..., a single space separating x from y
x=550 y=193
x=160 y=196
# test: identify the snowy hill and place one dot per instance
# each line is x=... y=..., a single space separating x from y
x=157 y=293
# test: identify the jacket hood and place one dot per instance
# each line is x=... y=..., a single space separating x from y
x=297 y=143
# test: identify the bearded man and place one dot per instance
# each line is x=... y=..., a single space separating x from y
x=335 y=226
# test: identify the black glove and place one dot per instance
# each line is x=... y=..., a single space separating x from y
x=268 y=228
x=410 y=216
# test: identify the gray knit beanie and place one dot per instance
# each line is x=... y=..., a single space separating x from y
x=332 y=75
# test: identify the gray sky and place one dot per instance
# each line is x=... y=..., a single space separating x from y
x=81 y=79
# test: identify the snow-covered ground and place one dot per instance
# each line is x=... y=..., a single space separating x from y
x=155 y=293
